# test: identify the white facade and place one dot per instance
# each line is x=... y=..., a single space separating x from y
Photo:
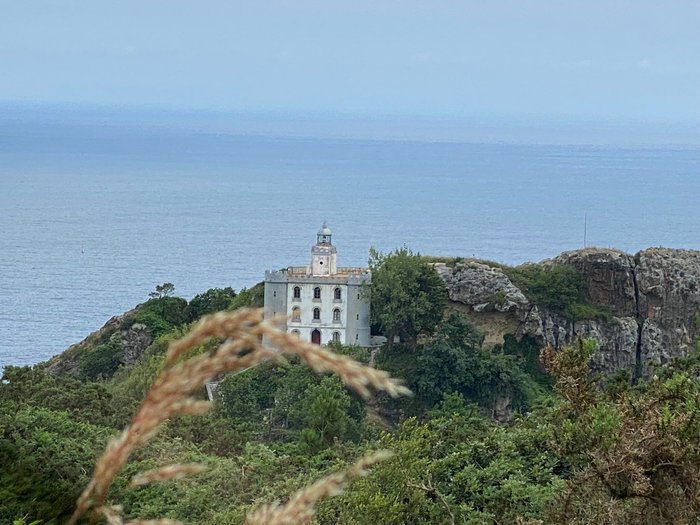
x=322 y=302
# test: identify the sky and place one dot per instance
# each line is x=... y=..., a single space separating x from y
x=636 y=61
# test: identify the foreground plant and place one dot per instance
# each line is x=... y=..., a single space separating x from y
x=635 y=454
x=171 y=394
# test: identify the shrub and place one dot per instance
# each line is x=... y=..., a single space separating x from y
x=249 y=298
x=559 y=288
x=102 y=360
x=162 y=314
x=213 y=300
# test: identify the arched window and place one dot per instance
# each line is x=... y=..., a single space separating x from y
x=317 y=314
x=336 y=315
x=337 y=294
x=296 y=314
x=317 y=292
x=297 y=292
x=336 y=337
x=316 y=337
x=297 y=333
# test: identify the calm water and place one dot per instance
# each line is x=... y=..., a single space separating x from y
x=93 y=217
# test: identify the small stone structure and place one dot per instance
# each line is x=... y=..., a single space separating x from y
x=321 y=301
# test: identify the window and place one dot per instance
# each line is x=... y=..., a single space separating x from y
x=297 y=292
x=336 y=315
x=274 y=294
x=337 y=294
x=336 y=337
x=317 y=293
x=296 y=314
x=317 y=314
x=358 y=317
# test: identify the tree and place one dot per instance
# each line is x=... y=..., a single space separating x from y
x=162 y=290
x=407 y=295
x=454 y=361
x=213 y=300
x=162 y=314
x=324 y=411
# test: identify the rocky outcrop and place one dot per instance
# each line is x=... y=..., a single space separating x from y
x=654 y=299
x=132 y=338
x=608 y=276
x=669 y=302
x=486 y=291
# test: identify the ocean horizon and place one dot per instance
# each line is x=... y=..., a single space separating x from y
x=95 y=214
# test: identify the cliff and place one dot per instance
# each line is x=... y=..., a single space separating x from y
x=124 y=340
x=652 y=300
x=643 y=310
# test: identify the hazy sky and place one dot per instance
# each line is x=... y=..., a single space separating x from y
x=610 y=59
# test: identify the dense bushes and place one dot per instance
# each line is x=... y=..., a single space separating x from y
x=558 y=287
x=289 y=402
x=453 y=361
x=101 y=360
x=86 y=401
x=577 y=454
x=46 y=458
x=162 y=314
x=213 y=300
x=573 y=450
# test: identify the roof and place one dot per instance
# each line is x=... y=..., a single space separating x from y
x=325 y=230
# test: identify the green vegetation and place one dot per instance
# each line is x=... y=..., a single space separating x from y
x=213 y=300
x=249 y=298
x=490 y=437
x=407 y=295
x=559 y=288
x=102 y=360
x=162 y=314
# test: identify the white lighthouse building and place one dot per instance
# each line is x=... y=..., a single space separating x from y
x=323 y=302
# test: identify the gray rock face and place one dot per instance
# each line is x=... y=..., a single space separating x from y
x=134 y=340
x=654 y=298
x=483 y=287
x=501 y=307
x=609 y=278
x=669 y=292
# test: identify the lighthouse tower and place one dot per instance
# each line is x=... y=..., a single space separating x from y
x=323 y=254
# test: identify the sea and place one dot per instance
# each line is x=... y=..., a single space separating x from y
x=96 y=211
